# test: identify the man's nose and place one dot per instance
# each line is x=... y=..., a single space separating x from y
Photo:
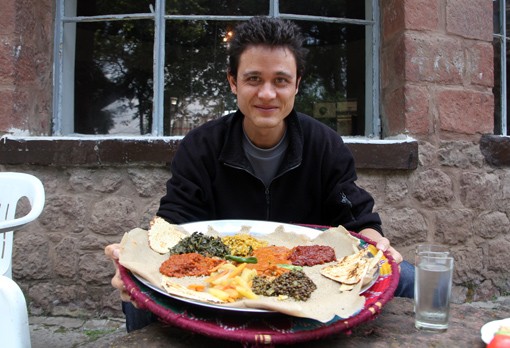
x=267 y=91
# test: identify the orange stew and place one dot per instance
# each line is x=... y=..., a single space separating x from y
x=191 y=264
x=268 y=258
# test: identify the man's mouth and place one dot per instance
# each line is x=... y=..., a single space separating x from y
x=266 y=107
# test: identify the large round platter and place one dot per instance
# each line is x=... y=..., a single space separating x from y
x=230 y=227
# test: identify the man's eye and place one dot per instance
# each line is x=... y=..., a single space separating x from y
x=281 y=81
x=253 y=79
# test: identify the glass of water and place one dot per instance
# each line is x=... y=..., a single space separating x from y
x=433 y=285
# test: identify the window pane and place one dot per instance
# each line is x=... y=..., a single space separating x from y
x=215 y=7
x=333 y=87
x=107 y=7
x=113 y=77
x=500 y=113
x=196 y=87
x=327 y=8
x=497 y=86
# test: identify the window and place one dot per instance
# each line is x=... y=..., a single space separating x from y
x=501 y=65
x=158 y=68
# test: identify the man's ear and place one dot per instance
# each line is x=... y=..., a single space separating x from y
x=298 y=81
x=232 y=82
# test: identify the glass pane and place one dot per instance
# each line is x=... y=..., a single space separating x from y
x=107 y=7
x=196 y=87
x=333 y=86
x=113 y=77
x=497 y=86
x=326 y=8
x=218 y=7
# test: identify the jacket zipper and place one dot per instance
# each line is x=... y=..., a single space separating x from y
x=267 y=191
x=268 y=201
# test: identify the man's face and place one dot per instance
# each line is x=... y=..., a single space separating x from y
x=266 y=85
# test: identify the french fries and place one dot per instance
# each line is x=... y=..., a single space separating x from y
x=230 y=283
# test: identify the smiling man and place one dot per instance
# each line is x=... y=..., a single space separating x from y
x=266 y=84
x=266 y=161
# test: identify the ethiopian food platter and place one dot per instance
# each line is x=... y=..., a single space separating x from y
x=254 y=266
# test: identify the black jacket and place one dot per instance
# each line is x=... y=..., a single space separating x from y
x=212 y=179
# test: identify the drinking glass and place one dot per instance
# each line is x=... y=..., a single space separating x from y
x=433 y=248
x=433 y=285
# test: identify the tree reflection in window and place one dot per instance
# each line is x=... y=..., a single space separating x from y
x=114 y=65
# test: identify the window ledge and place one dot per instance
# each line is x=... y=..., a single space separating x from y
x=496 y=150
x=98 y=151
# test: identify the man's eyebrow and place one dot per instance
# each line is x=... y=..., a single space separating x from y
x=278 y=73
x=252 y=73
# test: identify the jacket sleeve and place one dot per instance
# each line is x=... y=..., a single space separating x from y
x=347 y=204
x=187 y=195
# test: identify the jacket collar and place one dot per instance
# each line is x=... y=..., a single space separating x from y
x=232 y=151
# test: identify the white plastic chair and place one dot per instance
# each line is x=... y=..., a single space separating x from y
x=14 y=327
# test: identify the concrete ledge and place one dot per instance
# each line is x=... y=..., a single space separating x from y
x=496 y=150
x=160 y=151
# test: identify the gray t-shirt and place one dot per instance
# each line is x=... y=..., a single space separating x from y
x=265 y=162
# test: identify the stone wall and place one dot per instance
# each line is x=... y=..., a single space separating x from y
x=59 y=260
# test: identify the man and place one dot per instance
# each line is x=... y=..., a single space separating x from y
x=266 y=161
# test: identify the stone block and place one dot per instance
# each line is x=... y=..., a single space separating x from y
x=392 y=18
x=7 y=25
x=460 y=154
x=497 y=248
x=479 y=190
x=421 y=14
x=113 y=215
x=404 y=227
x=417 y=110
x=489 y=225
x=433 y=58
x=433 y=188
x=95 y=269
x=66 y=258
x=8 y=120
x=31 y=257
x=480 y=57
x=427 y=155
x=396 y=190
x=394 y=111
x=102 y=181
x=464 y=111
x=149 y=182
x=454 y=226
x=64 y=213
x=471 y=19
x=469 y=265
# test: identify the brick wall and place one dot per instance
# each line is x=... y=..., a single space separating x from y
x=26 y=58
x=437 y=71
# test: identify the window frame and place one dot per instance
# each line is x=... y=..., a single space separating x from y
x=63 y=99
x=502 y=38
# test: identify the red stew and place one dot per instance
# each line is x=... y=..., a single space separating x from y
x=191 y=264
x=311 y=255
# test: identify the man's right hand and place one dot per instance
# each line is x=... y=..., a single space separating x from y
x=112 y=251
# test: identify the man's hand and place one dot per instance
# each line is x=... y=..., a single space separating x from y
x=382 y=243
x=112 y=251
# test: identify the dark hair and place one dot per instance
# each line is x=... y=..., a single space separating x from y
x=266 y=31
